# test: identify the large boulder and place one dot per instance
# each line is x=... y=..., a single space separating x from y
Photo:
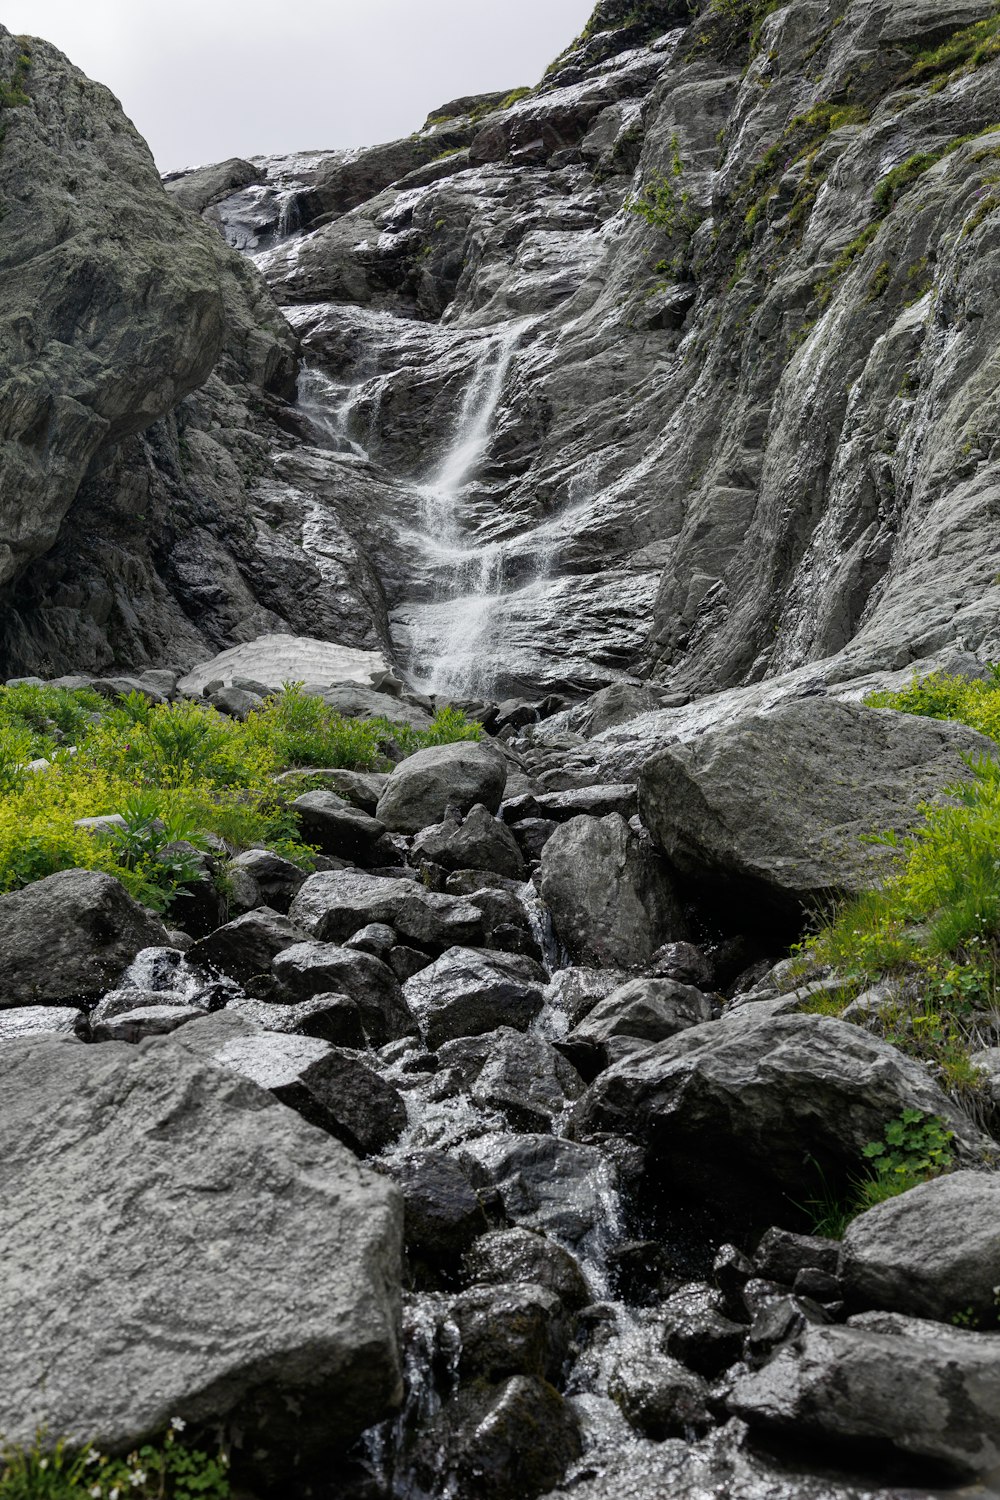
x=246 y=946
x=933 y=1251
x=333 y=826
x=744 y=1110
x=70 y=936
x=336 y=904
x=477 y=842
x=643 y=1010
x=773 y=808
x=468 y=991
x=611 y=898
x=422 y=788
x=884 y=1381
x=178 y=1244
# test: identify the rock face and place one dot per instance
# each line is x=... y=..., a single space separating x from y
x=748 y=1105
x=933 y=1252
x=88 y=1134
x=612 y=900
x=70 y=937
x=773 y=808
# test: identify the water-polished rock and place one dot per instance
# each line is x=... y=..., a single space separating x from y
x=518 y=1254
x=934 y=1251
x=476 y=842
x=773 y=807
x=517 y=1329
x=468 y=991
x=443 y=1211
x=336 y=904
x=658 y=1395
x=740 y=1110
x=552 y=1185
x=917 y=1387
x=70 y=936
x=145 y=1021
x=270 y=1257
x=527 y=1079
x=246 y=946
x=422 y=788
x=331 y=1017
x=612 y=901
x=305 y=970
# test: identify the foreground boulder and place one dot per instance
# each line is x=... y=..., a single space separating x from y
x=743 y=1109
x=421 y=789
x=145 y=1190
x=933 y=1251
x=70 y=937
x=611 y=899
x=773 y=808
x=897 y=1383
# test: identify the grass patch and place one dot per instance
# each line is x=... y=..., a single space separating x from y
x=179 y=771
x=962 y=52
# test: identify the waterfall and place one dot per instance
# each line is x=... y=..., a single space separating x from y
x=449 y=637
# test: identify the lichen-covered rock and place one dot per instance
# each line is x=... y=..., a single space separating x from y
x=118 y=1217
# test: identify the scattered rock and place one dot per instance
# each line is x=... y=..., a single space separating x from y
x=648 y=1009
x=332 y=825
x=468 y=991
x=247 y=946
x=934 y=1251
x=36 y=1020
x=309 y=969
x=611 y=899
x=506 y=1255
x=70 y=936
x=145 y=1021
x=423 y=787
x=517 y=1329
x=477 y=842
x=336 y=904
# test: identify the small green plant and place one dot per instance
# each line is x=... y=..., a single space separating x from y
x=166 y=1470
x=915 y=1147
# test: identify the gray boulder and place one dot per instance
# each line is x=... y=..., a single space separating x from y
x=468 y=991
x=551 y=1185
x=611 y=898
x=773 y=807
x=657 y=1395
x=423 y=787
x=263 y=1271
x=330 y=1089
x=70 y=936
x=274 y=881
x=587 y=801
x=477 y=842
x=741 y=1110
x=933 y=1251
x=916 y=1387
x=517 y=1329
x=198 y=189
x=336 y=828
x=336 y=904
x=246 y=946
x=525 y=1078
x=332 y=1017
x=308 y=969
x=572 y=993
x=651 y=1010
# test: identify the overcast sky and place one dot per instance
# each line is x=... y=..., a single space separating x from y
x=207 y=79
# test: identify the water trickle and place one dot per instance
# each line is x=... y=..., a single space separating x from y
x=328 y=407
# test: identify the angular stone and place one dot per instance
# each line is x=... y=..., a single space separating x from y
x=468 y=991
x=338 y=903
x=934 y=1251
x=329 y=823
x=524 y=1077
x=269 y=1262
x=333 y=1018
x=740 y=1110
x=423 y=787
x=920 y=1388
x=506 y=1255
x=34 y=1020
x=611 y=898
x=309 y=969
x=277 y=880
x=651 y=1010
x=517 y=1329
x=247 y=946
x=771 y=809
x=145 y=1021
x=70 y=936
x=477 y=842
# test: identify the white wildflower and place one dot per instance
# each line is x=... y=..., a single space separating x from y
x=138 y=1476
x=91 y=1457
x=178 y=1424
x=95 y=1492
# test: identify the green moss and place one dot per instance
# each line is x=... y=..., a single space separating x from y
x=825 y=287
x=880 y=282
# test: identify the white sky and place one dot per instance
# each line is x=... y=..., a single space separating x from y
x=208 y=79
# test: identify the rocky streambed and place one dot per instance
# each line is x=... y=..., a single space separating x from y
x=478 y=1161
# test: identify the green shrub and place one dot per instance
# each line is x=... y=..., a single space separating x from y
x=914 y=1148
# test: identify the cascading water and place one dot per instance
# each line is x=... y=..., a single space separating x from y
x=449 y=637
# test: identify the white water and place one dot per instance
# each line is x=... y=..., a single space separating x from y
x=450 y=640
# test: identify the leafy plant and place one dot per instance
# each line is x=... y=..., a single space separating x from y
x=167 y=1470
x=915 y=1148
